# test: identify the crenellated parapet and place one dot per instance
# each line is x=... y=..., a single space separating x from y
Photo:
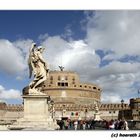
x=114 y=106
x=69 y=107
x=14 y=107
x=73 y=107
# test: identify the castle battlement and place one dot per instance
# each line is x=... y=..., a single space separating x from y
x=70 y=106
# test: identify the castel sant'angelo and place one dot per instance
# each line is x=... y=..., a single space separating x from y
x=70 y=95
x=65 y=87
x=72 y=99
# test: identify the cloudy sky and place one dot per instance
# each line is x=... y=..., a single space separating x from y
x=103 y=47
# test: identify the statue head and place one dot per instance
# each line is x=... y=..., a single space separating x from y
x=33 y=44
x=40 y=48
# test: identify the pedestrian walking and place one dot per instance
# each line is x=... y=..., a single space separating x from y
x=75 y=125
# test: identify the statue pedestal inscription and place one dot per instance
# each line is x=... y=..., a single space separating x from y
x=36 y=115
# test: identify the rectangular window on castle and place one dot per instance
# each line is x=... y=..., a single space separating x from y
x=59 y=84
x=63 y=84
x=66 y=84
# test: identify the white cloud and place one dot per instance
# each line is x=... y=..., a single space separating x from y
x=116 y=67
x=42 y=37
x=55 y=46
x=111 y=99
x=23 y=45
x=9 y=94
x=2 y=101
x=68 y=32
x=117 y=31
x=19 y=78
x=79 y=58
x=11 y=59
x=73 y=55
x=13 y=56
x=117 y=79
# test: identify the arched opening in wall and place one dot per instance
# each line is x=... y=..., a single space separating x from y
x=59 y=78
x=66 y=77
x=73 y=80
x=51 y=80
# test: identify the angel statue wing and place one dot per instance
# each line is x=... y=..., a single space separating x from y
x=31 y=51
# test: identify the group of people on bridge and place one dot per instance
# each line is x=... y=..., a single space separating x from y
x=69 y=124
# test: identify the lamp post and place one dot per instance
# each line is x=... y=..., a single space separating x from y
x=52 y=108
x=48 y=99
x=138 y=112
x=63 y=110
x=86 y=113
x=112 y=113
x=49 y=103
x=138 y=92
x=122 y=103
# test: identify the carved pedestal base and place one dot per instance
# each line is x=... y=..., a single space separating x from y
x=97 y=117
x=36 y=115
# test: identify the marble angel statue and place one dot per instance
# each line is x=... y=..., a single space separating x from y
x=37 y=68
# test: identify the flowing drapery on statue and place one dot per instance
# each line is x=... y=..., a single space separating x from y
x=37 y=68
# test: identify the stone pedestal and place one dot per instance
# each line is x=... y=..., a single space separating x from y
x=97 y=117
x=97 y=114
x=35 y=107
x=36 y=115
